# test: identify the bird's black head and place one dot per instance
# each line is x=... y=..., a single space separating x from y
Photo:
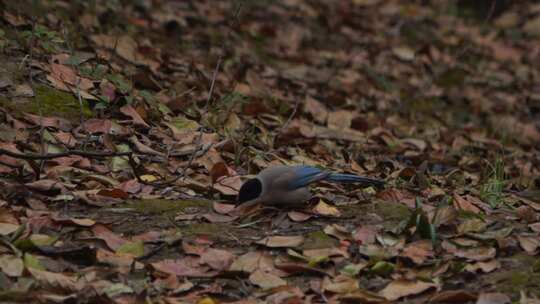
x=251 y=189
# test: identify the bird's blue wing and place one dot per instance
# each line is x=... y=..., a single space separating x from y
x=302 y=176
x=351 y=178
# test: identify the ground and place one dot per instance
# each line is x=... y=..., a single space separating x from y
x=128 y=127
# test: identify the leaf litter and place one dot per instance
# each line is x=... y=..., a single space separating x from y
x=146 y=148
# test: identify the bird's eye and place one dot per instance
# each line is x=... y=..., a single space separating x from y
x=251 y=189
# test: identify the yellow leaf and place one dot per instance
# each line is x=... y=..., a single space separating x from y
x=148 y=178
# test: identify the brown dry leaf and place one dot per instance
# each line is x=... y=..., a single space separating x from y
x=535 y=227
x=126 y=47
x=218 y=170
x=529 y=243
x=222 y=208
x=144 y=148
x=23 y=90
x=323 y=208
x=418 y=251
x=493 y=298
x=62 y=75
x=113 y=240
x=477 y=253
x=83 y=222
x=453 y=296
x=266 y=280
x=123 y=262
x=11 y=265
x=95 y=125
x=135 y=116
x=401 y=288
x=404 y=53
x=217 y=259
x=461 y=203
x=45 y=185
x=325 y=252
x=185 y=267
x=131 y=186
x=337 y=231
x=282 y=241
x=228 y=185
x=7 y=228
x=252 y=261
x=114 y=193
x=339 y=120
x=362 y=296
x=54 y=122
x=486 y=267
x=418 y=144
x=317 y=109
x=298 y=216
x=55 y=280
x=365 y=235
x=341 y=284
x=218 y=218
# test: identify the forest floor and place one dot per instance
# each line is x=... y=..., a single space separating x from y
x=128 y=127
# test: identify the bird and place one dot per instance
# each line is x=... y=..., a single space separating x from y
x=289 y=185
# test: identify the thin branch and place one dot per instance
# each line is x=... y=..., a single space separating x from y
x=198 y=140
x=286 y=124
x=35 y=156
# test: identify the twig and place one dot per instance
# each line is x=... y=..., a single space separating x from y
x=211 y=91
x=38 y=100
x=286 y=124
x=35 y=156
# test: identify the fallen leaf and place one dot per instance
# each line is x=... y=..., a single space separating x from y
x=477 y=253
x=186 y=267
x=282 y=241
x=404 y=53
x=7 y=228
x=218 y=218
x=401 y=288
x=317 y=109
x=266 y=280
x=298 y=216
x=461 y=203
x=11 y=265
x=419 y=251
x=54 y=280
x=223 y=208
x=453 y=296
x=135 y=116
x=493 y=298
x=252 y=261
x=529 y=243
x=340 y=284
x=113 y=240
x=485 y=267
x=217 y=259
x=323 y=208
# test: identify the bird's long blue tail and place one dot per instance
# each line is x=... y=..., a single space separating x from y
x=351 y=178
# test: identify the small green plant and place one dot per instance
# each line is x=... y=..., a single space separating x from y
x=3 y=40
x=220 y=111
x=492 y=190
x=49 y=40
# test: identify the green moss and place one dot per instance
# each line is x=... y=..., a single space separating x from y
x=319 y=239
x=210 y=229
x=55 y=102
x=519 y=276
x=158 y=206
x=452 y=78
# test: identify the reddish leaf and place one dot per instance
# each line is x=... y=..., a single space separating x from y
x=113 y=240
